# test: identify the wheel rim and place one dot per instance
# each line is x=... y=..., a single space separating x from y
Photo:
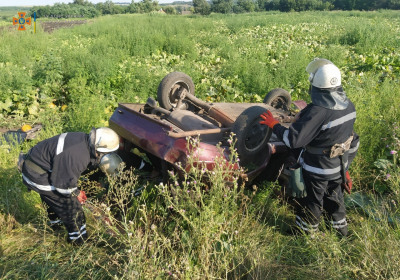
x=255 y=136
x=279 y=103
x=173 y=93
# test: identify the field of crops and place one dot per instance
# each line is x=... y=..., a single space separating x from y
x=72 y=79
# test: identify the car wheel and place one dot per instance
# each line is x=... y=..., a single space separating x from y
x=171 y=87
x=252 y=137
x=278 y=98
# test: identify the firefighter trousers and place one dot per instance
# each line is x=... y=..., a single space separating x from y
x=322 y=195
x=69 y=211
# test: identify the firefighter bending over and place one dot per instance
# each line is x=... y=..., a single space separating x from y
x=52 y=168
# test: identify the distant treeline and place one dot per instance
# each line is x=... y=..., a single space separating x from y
x=87 y=9
x=90 y=10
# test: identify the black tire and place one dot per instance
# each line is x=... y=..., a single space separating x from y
x=170 y=86
x=278 y=98
x=252 y=137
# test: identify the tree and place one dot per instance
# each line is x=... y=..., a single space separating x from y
x=222 y=6
x=287 y=5
x=170 y=10
x=247 y=5
x=148 y=6
x=201 y=7
x=82 y=2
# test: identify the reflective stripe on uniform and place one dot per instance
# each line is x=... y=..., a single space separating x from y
x=76 y=237
x=321 y=171
x=78 y=233
x=339 y=224
x=339 y=121
x=352 y=150
x=47 y=188
x=60 y=144
x=65 y=191
x=304 y=226
x=285 y=138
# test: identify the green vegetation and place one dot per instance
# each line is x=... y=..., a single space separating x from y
x=203 y=7
x=7 y=13
x=235 y=233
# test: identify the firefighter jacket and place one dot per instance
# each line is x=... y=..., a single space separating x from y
x=63 y=158
x=320 y=127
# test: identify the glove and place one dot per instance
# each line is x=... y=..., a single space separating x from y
x=348 y=180
x=268 y=119
x=82 y=197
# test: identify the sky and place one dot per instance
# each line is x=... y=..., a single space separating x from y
x=51 y=2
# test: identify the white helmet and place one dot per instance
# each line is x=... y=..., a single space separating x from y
x=323 y=74
x=109 y=163
x=106 y=140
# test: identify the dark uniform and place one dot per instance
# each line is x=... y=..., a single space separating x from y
x=52 y=168
x=328 y=120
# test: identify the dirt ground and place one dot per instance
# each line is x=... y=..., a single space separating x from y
x=50 y=26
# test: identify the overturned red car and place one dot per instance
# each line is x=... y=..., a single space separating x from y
x=161 y=131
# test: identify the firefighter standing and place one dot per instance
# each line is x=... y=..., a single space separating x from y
x=52 y=168
x=324 y=130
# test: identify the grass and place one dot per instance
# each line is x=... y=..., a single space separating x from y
x=236 y=233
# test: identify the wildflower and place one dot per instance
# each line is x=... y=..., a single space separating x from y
x=188 y=191
x=387 y=146
x=224 y=195
x=153 y=227
x=171 y=207
x=388 y=176
x=183 y=210
x=176 y=183
x=237 y=159
x=236 y=232
x=131 y=222
x=230 y=141
x=195 y=182
x=129 y=234
x=393 y=152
